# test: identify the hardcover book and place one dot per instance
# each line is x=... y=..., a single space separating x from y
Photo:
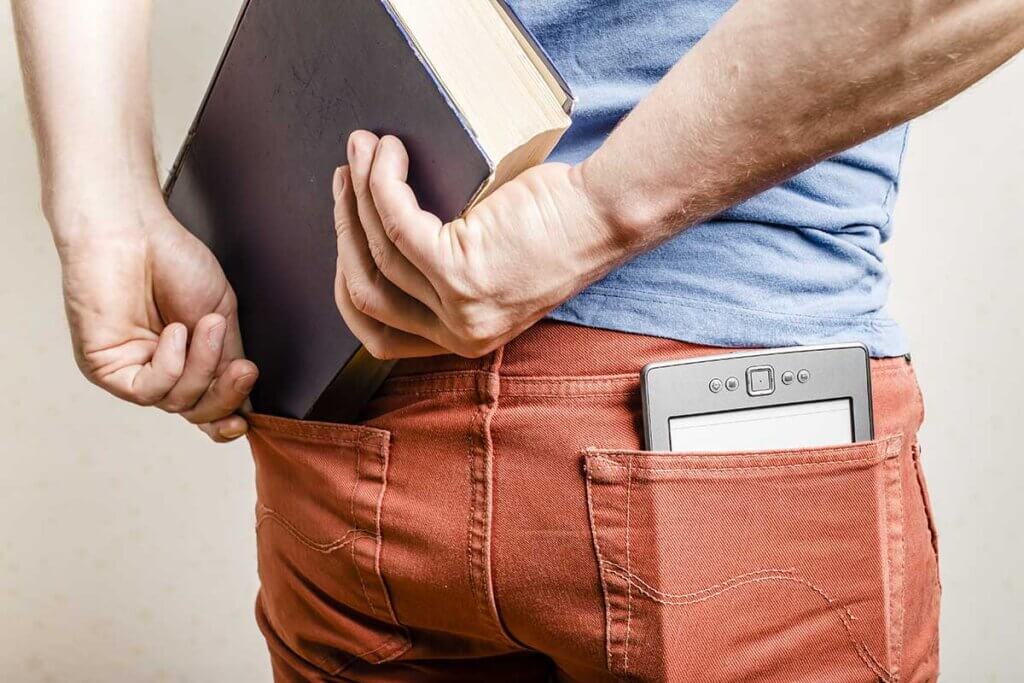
x=461 y=82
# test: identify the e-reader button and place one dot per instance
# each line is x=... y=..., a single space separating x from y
x=760 y=380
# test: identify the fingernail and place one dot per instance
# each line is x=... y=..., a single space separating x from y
x=244 y=384
x=339 y=182
x=353 y=149
x=179 y=338
x=234 y=432
x=215 y=336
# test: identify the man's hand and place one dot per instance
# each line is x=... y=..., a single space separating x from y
x=410 y=285
x=153 y=321
x=152 y=316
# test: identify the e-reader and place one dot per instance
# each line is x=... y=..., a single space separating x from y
x=797 y=397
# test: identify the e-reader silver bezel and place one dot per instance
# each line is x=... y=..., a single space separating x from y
x=680 y=388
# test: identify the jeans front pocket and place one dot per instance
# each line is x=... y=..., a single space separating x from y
x=320 y=488
x=774 y=566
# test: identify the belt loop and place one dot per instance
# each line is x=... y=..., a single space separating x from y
x=491 y=362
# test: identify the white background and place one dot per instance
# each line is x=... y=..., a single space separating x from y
x=126 y=543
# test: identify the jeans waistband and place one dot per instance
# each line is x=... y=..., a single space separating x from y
x=556 y=356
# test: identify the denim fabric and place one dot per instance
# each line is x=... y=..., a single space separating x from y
x=493 y=519
x=798 y=264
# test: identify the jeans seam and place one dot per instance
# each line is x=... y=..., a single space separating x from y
x=895 y=510
x=471 y=514
x=479 y=527
x=629 y=584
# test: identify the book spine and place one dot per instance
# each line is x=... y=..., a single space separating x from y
x=172 y=177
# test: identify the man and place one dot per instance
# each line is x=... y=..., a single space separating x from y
x=728 y=181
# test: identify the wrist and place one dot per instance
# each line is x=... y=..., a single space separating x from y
x=635 y=218
x=601 y=245
x=102 y=207
x=617 y=240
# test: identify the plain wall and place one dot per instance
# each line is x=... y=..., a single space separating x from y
x=126 y=539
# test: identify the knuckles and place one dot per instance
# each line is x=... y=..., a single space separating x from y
x=478 y=330
x=377 y=183
x=174 y=407
x=380 y=253
x=361 y=298
x=144 y=401
x=392 y=230
x=378 y=347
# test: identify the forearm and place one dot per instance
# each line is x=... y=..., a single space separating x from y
x=85 y=66
x=778 y=86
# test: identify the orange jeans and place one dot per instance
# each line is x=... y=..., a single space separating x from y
x=495 y=520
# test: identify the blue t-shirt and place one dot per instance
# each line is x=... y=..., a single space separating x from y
x=798 y=264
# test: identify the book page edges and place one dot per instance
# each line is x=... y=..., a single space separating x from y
x=439 y=84
x=531 y=153
x=538 y=55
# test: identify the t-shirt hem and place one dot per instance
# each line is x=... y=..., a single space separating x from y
x=717 y=324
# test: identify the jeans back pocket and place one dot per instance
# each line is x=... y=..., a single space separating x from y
x=320 y=488
x=775 y=566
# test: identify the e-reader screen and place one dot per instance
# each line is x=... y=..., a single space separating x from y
x=800 y=425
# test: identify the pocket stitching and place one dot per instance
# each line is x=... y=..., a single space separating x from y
x=648 y=589
x=352 y=514
x=600 y=564
x=810 y=450
x=356 y=437
x=403 y=637
x=612 y=464
x=399 y=642
x=267 y=514
x=841 y=610
x=362 y=584
x=322 y=432
x=885 y=449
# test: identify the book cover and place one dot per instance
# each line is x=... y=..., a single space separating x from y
x=253 y=181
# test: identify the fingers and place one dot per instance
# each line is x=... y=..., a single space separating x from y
x=389 y=260
x=158 y=376
x=226 y=395
x=201 y=364
x=202 y=395
x=381 y=341
x=369 y=291
x=225 y=430
x=233 y=338
x=413 y=231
